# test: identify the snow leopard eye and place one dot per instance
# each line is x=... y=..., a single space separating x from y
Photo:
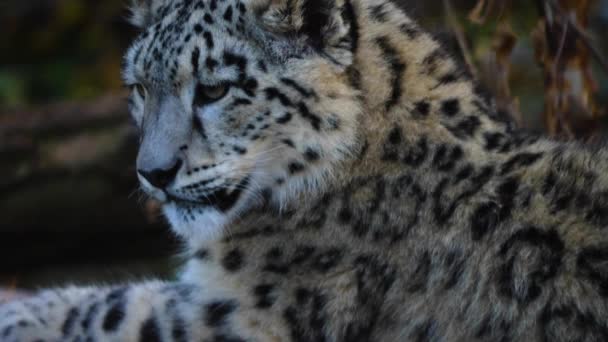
x=139 y=89
x=208 y=94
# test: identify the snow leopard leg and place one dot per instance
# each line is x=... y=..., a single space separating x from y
x=153 y=311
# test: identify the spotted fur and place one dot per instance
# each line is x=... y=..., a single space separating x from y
x=351 y=184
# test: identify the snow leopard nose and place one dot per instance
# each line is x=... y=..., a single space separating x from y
x=161 y=178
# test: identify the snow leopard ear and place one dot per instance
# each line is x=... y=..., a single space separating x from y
x=144 y=13
x=328 y=26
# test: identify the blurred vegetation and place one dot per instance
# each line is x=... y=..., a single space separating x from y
x=56 y=50
x=543 y=60
x=69 y=205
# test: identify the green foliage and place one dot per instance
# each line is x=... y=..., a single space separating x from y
x=61 y=49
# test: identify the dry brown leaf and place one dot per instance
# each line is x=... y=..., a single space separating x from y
x=563 y=50
x=570 y=107
x=479 y=13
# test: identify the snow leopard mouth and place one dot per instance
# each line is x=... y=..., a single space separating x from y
x=222 y=199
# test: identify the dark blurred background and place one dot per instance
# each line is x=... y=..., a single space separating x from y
x=70 y=209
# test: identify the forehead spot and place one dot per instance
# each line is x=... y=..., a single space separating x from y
x=228 y=14
x=208 y=40
x=208 y=19
x=241 y=7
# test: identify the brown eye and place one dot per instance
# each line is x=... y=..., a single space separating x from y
x=209 y=94
x=139 y=89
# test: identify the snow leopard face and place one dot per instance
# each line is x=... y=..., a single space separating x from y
x=236 y=105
